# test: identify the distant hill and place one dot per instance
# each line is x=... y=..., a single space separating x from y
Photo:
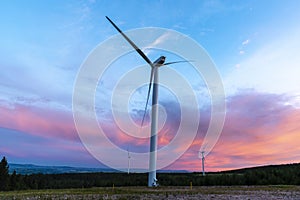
x=292 y=166
x=37 y=169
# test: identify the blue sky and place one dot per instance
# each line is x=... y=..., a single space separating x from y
x=254 y=45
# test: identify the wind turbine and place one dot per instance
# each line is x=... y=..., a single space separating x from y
x=128 y=169
x=152 y=181
x=203 y=158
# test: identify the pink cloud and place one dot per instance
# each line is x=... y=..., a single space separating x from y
x=38 y=121
x=260 y=129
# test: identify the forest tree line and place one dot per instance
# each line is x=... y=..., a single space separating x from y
x=269 y=175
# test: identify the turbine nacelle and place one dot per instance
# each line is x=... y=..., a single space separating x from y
x=160 y=61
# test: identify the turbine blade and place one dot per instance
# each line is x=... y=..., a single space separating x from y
x=131 y=43
x=169 y=63
x=150 y=84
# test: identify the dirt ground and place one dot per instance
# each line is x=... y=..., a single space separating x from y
x=144 y=193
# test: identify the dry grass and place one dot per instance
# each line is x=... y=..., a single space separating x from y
x=214 y=192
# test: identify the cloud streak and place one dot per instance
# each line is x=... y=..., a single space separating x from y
x=246 y=42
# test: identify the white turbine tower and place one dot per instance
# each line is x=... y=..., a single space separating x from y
x=152 y=181
x=128 y=169
x=203 y=159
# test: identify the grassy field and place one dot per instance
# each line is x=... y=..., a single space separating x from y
x=220 y=192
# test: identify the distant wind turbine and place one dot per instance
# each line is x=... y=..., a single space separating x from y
x=203 y=159
x=128 y=171
x=152 y=181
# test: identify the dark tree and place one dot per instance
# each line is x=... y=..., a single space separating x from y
x=4 y=176
x=14 y=181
